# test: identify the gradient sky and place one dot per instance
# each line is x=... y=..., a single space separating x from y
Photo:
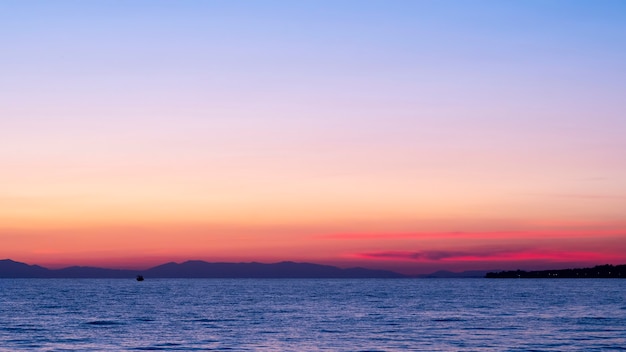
x=409 y=135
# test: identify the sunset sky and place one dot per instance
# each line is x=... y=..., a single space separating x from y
x=407 y=135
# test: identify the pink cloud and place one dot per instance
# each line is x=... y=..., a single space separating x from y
x=488 y=255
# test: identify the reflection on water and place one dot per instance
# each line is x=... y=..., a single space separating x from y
x=297 y=315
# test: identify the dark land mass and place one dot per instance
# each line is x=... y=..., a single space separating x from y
x=201 y=269
x=600 y=271
x=9 y=268
x=197 y=269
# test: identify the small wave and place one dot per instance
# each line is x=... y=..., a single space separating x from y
x=18 y=329
x=593 y=321
x=391 y=323
x=169 y=347
x=73 y=340
x=54 y=306
x=486 y=328
x=448 y=319
x=28 y=345
x=205 y=320
x=104 y=322
x=145 y=319
x=163 y=347
x=596 y=318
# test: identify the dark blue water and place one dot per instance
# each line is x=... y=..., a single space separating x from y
x=313 y=315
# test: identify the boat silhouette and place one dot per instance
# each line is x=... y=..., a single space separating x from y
x=139 y=278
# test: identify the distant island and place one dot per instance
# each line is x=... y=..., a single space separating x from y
x=601 y=271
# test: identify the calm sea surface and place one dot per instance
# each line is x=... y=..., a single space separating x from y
x=313 y=315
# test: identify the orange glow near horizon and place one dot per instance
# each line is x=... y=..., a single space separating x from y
x=142 y=247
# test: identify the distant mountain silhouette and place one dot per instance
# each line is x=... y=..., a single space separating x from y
x=200 y=269
x=13 y=269
x=600 y=271
x=196 y=269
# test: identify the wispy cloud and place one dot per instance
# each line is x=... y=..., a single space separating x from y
x=485 y=255
x=567 y=233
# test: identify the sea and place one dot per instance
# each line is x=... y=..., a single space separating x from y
x=313 y=315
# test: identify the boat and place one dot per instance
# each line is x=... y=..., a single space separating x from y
x=139 y=278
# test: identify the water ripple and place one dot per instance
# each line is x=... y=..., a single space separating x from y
x=312 y=315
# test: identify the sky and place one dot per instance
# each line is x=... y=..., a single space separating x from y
x=406 y=135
